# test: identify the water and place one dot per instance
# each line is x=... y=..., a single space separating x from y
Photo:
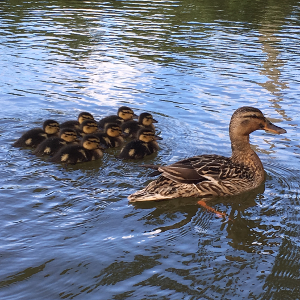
x=70 y=233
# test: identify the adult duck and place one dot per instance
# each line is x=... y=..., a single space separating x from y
x=208 y=176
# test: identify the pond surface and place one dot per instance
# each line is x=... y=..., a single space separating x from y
x=69 y=232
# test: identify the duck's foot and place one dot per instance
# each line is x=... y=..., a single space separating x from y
x=211 y=209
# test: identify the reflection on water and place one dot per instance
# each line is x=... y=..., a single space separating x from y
x=69 y=232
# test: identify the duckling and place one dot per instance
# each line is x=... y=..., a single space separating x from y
x=88 y=127
x=88 y=150
x=35 y=136
x=124 y=114
x=51 y=145
x=145 y=145
x=75 y=124
x=111 y=137
x=131 y=128
x=208 y=176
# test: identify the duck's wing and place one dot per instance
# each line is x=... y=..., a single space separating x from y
x=195 y=169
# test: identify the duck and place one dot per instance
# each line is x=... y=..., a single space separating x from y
x=210 y=175
x=88 y=150
x=144 y=145
x=124 y=114
x=51 y=145
x=111 y=137
x=131 y=128
x=33 y=137
x=75 y=124
x=88 y=127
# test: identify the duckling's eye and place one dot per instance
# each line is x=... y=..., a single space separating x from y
x=128 y=112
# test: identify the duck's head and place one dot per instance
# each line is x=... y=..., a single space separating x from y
x=51 y=127
x=247 y=119
x=89 y=126
x=68 y=134
x=126 y=113
x=91 y=142
x=112 y=130
x=84 y=116
x=147 y=135
x=146 y=119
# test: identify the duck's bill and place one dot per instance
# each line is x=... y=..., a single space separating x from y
x=157 y=137
x=154 y=121
x=273 y=128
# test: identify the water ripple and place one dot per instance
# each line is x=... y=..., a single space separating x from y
x=69 y=232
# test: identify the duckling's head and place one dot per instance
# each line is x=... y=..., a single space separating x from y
x=51 y=127
x=146 y=119
x=68 y=134
x=247 y=119
x=147 y=135
x=112 y=130
x=91 y=142
x=89 y=126
x=126 y=113
x=84 y=116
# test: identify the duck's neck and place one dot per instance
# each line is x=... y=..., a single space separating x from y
x=243 y=154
